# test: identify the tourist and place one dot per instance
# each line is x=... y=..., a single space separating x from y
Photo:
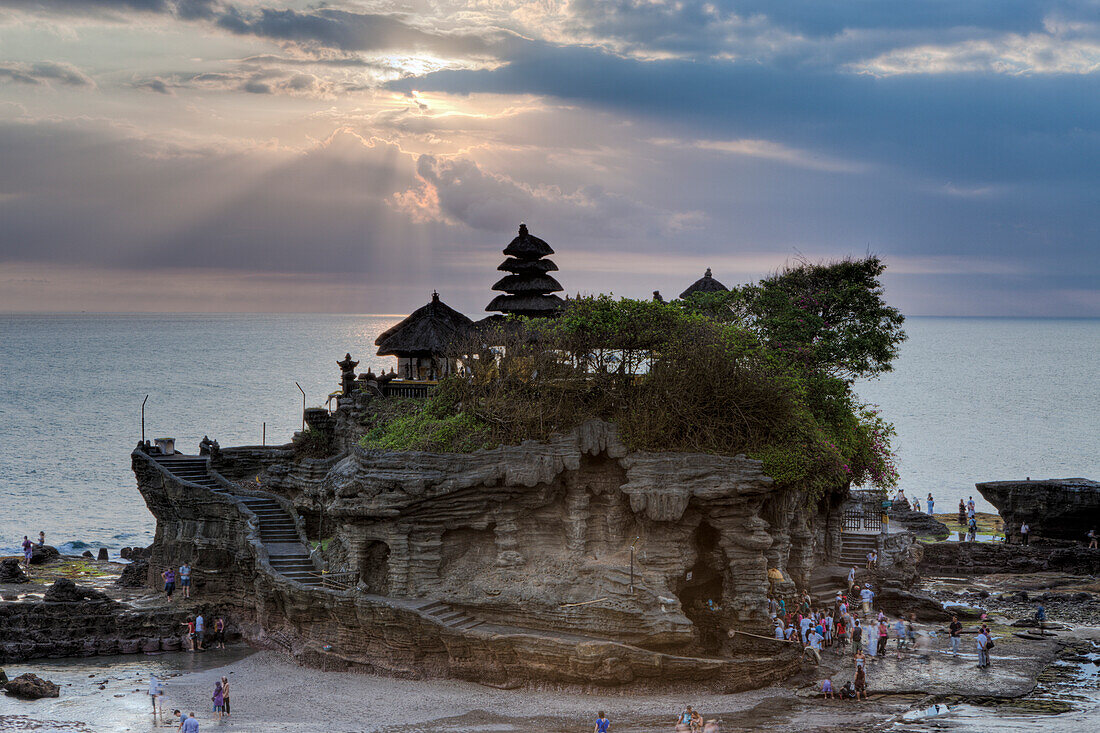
x=899 y=634
x=852 y=580
x=861 y=683
x=857 y=637
x=870 y=559
x=790 y=633
x=813 y=647
x=185 y=580
x=872 y=640
x=200 y=630
x=169 y=577
x=984 y=643
x=696 y=722
x=41 y=539
x=218 y=699
x=867 y=596
x=910 y=631
x=683 y=723
x=827 y=688
x=190 y=725
x=1092 y=538
x=930 y=501
x=219 y=640
x=28 y=550
x=181 y=716
x=883 y=635
x=190 y=633
x=780 y=632
x=972 y=530
x=225 y=694
x=860 y=661
x=956 y=631
x=842 y=632
x=962 y=513
x=603 y=725
x=1025 y=530
x=156 y=690
x=970 y=510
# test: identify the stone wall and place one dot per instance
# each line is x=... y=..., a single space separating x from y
x=985 y=558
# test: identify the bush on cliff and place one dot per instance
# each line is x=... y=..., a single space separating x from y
x=704 y=375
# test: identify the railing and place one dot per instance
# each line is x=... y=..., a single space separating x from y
x=337 y=581
x=408 y=389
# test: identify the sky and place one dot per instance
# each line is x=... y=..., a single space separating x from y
x=353 y=155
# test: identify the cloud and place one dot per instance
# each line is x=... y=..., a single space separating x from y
x=775 y=151
x=43 y=72
x=1036 y=53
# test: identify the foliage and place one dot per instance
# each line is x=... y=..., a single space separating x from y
x=829 y=317
x=764 y=370
x=312 y=443
x=427 y=425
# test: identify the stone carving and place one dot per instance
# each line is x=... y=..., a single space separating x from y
x=347 y=374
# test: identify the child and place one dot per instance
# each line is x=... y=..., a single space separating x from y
x=603 y=725
x=827 y=688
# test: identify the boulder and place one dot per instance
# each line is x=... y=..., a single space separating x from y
x=134 y=575
x=64 y=590
x=42 y=554
x=3 y=678
x=1055 y=509
x=88 y=554
x=10 y=572
x=919 y=523
x=103 y=556
x=31 y=687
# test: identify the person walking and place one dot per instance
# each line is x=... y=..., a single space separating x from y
x=185 y=580
x=1092 y=539
x=603 y=725
x=28 y=551
x=899 y=633
x=1025 y=530
x=852 y=580
x=861 y=683
x=190 y=725
x=156 y=691
x=857 y=637
x=200 y=631
x=867 y=596
x=962 y=513
x=169 y=577
x=883 y=635
x=190 y=634
x=931 y=502
x=956 y=635
x=225 y=694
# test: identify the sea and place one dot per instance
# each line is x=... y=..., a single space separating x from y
x=972 y=399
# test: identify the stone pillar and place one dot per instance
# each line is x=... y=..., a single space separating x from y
x=576 y=518
x=507 y=538
x=746 y=582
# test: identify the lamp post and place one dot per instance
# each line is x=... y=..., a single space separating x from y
x=143 y=419
x=303 y=405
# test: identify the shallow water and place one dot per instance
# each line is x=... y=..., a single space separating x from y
x=123 y=706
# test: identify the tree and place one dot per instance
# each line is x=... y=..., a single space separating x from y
x=831 y=316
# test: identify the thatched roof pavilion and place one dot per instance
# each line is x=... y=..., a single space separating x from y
x=422 y=341
x=529 y=290
x=705 y=284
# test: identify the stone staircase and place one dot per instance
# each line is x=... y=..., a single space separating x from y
x=450 y=617
x=854 y=548
x=288 y=556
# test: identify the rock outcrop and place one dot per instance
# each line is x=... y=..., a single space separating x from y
x=64 y=590
x=919 y=523
x=987 y=558
x=31 y=687
x=42 y=554
x=11 y=572
x=571 y=560
x=1055 y=509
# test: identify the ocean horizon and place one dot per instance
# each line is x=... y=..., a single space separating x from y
x=973 y=398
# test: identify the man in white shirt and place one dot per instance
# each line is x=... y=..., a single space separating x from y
x=813 y=648
x=851 y=580
x=1025 y=530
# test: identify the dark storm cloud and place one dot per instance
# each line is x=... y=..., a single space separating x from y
x=42 y=72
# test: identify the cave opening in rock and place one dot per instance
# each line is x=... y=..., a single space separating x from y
x=374 y=568
x=701 y=589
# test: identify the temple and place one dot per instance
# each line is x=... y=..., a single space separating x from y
x=705 y=284
x=422 y=341
x=529 y=290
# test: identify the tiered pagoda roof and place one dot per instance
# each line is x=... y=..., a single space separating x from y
x=529 y=290
x=428 y=330
x=705 y=284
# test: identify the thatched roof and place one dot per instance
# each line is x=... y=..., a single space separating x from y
x=526 y=305
x=527 y=247
x=519 y=266
x=533 y=283
x=705 y=284
x=428 y=330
